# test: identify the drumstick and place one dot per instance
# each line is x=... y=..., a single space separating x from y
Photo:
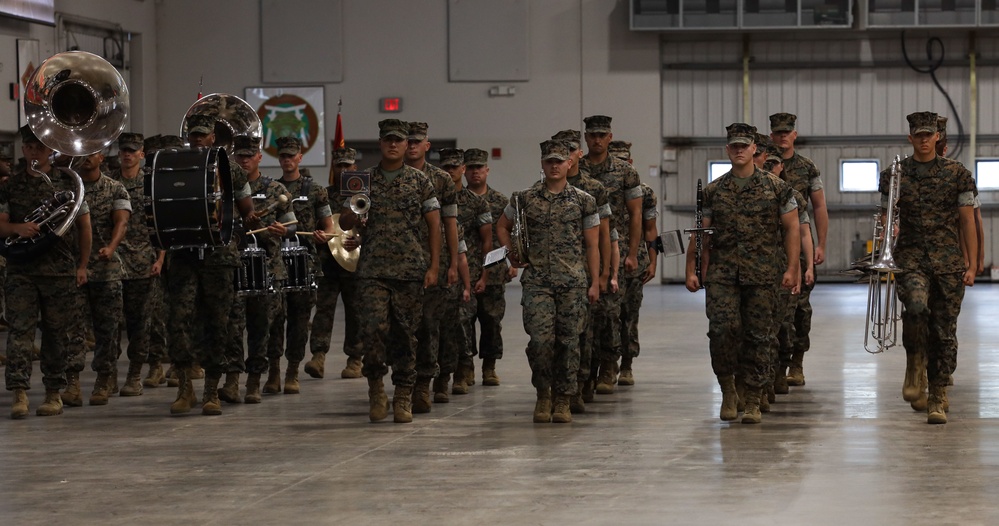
x=259 y=230
x=325 y=234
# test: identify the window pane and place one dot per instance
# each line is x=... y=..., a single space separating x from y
x=860 y=175
x=988 y=174
x=717 y=169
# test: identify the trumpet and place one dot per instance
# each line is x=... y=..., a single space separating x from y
x=360 y=204
x=883 y=311
x=520 y=242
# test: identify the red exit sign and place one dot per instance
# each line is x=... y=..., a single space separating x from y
x=390 y=105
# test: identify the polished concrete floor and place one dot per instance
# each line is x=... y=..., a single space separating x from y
x=844 y=449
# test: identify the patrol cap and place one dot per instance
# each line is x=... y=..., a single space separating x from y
x=130 y=141
x=620 y=149
x=573 y=137
x=922 y=122
x=451 y=157
x=393 y=127
x=27 y=135
x=346 y=156
x=151 y=144
x=762 y=142
x=782 y=122
x=553 y=149
x=741 y=133
x=418 y=131
x=172 y=141
x=245 y=145
x=942 y=127
x=598 y=124
x=288 y=145
x=774 y=153
x=476 y=157
x=200 y=123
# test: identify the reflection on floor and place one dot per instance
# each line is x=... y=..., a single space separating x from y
x=844 y=449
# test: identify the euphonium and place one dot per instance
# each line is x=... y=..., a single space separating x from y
x=76 y=104
x=520 y=243
x=883 y=313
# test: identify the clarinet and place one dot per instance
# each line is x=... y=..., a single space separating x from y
x=699 y=236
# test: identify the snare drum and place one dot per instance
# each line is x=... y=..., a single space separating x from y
x=189 y=198
x=252 y=277
x=300 y=276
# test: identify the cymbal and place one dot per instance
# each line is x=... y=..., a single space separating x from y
x=346 y=258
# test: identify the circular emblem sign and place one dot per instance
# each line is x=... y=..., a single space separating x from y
x=288 y=116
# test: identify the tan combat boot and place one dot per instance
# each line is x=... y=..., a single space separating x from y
x=590 y=385
x=155 y=377
x=19 y=409
x=543 y=407
x=796 y=375
x=605 y=379
x=102 y=390
x=729 y=403
x=922 y=401
x=316 y=367
x=914 y=368
x=489 y=376
x=740 y=391
x=780 y=383
x=468 y=376
x=440 y=388
x=197 y=372
x=72 y=396
x=752 y=414
x=377 y=400
x=171 y=377
x=944 y=402
x=185 y=393
x=561 y=413
x=273 y=383
x=210 y=404
x=352 y=369
x=421 y=395
x=935 y=413
x=230 y=391
x=52 y=405
x=252 y=388
x=402 y=405
x=291 y=385
x=459 y=387
x=765 y=399
x=576 y=403
x=133 y=380
x=113 y=381
x=627 y=377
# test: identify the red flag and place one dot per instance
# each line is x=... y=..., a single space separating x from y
x=201 y=83
x=338 y=141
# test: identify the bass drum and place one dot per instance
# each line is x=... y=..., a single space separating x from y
x=189 y=199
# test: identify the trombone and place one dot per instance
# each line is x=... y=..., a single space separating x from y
x=883 y=309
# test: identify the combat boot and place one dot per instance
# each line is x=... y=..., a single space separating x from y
x=352 y=369
x=421 y=395
x=230 y=391
x=377 y=400
x=171 y=377
x=935 y=413
x=155 y=377
x=273 y=383
x=765 y=399
x=796 y=375
x=627 y=377
x=914 y=369
x=210 y=404
x=102 y=390
x=780 y=383
x=113 y=381
x=561 y=413
x=740 y=391
x=590 y=385
x=459 y=387
x=19 y=409
x=921 y=403
x=53 y=404
x=469 y=374
x=402 y=405
x=197 y=372
x=729 y=410
x=440 y=388
x=252 y=388
x=291 y=385
x=752 y=413
x=72 y=396
x=489 y=376
x=185 y=393
x=133 y=380
x=944 y=402
x=576 y=403
x=316 y=367
x=543 y=407
x=605 y=379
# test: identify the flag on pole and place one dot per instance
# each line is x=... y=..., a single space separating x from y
x=201 y=83
x=338 y=141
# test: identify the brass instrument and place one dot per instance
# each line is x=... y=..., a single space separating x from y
x=883 y=310
x=520 y=242
x=76 y=104
x=360 y=204
x=234 y=117
x=699 y=232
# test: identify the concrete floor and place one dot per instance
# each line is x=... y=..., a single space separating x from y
x=845 y=449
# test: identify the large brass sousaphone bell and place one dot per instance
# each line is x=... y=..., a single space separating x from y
x=234 y=116
x=76 y=104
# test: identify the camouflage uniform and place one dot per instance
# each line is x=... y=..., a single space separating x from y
x=436 y=298
x=103 y=289
x=744 y=273
x=931 y=286
x=334 y=282
x=298 y=304
x=555 y=283
x=45 y=285
x=786 y=316
x=633 y=285
x=801 y=173
x=390 y=273
x=489 y=306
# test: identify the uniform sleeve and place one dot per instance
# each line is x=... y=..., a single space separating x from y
x=429 y=198
x=120 y=199
x=448 y=197
x=632 y=184
x=786 y=198
x=966 y=186
x=814 y=179
x=709 y=195
x=322 y=202
x=883 y=186
x=650 y=208
x=509 y=211
x=462 y=247
x=483 y=215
